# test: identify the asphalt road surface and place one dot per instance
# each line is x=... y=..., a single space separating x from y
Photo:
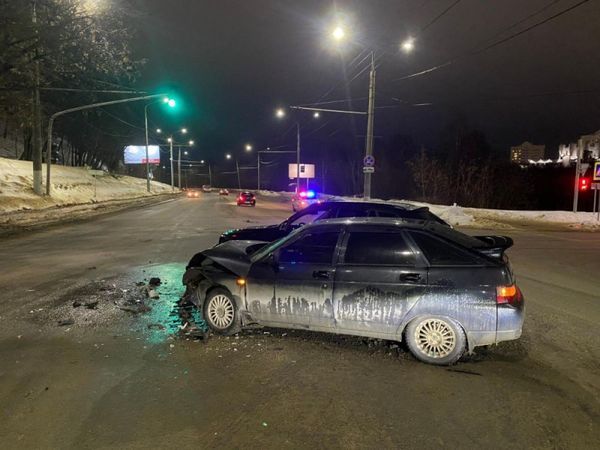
x=115 y=379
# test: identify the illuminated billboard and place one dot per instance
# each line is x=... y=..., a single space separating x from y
x=136 y=154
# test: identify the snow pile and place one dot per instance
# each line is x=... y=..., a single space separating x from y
x=272 y=193
x=476 y=217
x=70 y=186
x=573 y=220
x=454 y=215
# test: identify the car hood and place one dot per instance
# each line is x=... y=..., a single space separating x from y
x=241 y=231
x=233 y=255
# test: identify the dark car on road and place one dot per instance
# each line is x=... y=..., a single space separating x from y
x=440 y=290
x=329 y=210
x=246 y=198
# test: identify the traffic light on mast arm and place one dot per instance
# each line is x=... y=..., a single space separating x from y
x=584 y=184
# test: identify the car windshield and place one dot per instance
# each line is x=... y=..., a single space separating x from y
x=273 y=246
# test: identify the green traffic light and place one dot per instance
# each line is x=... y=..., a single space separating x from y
x=172 y=103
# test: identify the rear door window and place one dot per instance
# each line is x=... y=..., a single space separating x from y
x=441 y=253
x=368 y=248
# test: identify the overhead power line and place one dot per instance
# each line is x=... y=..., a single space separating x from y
x=440 y=15
x=475 y=52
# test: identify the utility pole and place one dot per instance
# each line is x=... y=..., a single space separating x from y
x=209 y=175
x=171 y=161
x=178 y=165
x=37 y=114
x=237 y=168
x=297 y=157
x=258 y=171
x=577 y=170
x=370 y=117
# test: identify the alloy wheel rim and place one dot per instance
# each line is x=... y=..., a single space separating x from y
x=221 y=311
x=435 y=338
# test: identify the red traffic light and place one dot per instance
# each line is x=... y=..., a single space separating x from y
x=584 y=184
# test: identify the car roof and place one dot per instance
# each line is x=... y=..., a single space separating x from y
x=404 y=223
x=371 y=204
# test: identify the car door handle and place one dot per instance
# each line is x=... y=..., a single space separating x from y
x=321 y=275
x=410 y=277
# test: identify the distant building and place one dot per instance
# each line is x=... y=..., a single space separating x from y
x=527 y=152
x=591 y=149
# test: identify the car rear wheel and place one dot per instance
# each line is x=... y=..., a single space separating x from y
x=436 y=340
x=220 y=312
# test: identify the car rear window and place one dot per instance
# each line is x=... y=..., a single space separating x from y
x=441 y=253
x=369 y=248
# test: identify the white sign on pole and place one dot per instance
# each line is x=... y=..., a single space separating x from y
x=306 y=171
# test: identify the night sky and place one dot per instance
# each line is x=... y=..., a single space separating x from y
x=235 y=61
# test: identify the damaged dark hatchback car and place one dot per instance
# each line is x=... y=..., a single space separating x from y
x=442 y=291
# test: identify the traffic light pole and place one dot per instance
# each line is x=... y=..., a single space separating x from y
x=82 y=108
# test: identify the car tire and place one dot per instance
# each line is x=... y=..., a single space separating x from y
x=436 y=340
x=220 y=312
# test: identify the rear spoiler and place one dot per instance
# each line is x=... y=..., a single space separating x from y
x=495 y=246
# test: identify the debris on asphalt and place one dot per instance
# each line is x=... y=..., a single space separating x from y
x=138 y=308
x=154 y=281
x=156 y=326
x=65 y=322
x=76 y=304
x=152 y=294
x=92 y=304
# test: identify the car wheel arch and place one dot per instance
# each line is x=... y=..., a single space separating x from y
x=402 y=329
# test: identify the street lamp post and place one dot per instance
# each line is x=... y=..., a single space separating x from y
x=407 y=46
x=147 y=156
x=171 y=162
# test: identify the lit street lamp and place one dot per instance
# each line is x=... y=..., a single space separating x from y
x=248 y=147
x=408 y=45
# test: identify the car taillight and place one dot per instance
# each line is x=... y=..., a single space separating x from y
x=508 y=295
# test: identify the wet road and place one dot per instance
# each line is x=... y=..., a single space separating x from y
x=110 y=381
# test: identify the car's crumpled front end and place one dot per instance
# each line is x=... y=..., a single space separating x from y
x=221 y=266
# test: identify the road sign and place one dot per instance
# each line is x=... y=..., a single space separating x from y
x=369 y=161
x=596 y=171
x=306 y=171
x=368 y=169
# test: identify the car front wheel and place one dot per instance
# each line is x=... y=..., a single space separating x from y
x=436 y=340
x=220 y=312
